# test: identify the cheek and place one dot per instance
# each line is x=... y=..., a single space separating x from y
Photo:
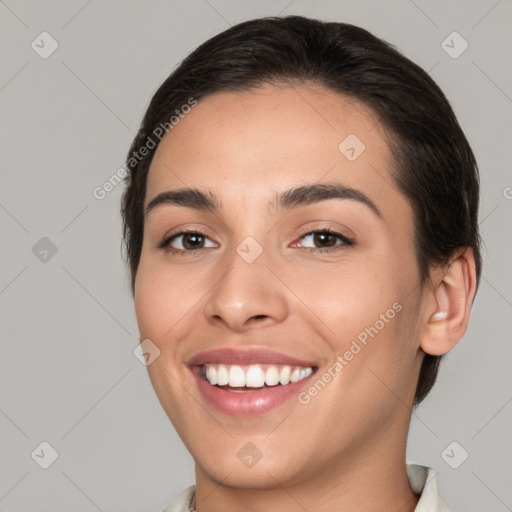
x=160 y=304
x=162 y=297
x=148 y=302
x=365 y=310
x=347 y=297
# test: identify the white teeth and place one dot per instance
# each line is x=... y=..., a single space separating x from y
x=222 y=375
x=284 y=376
x=305 y=372
x=272 y=376
x=295 y=376
x=211 y=374
x=236 y=377
x=254 y=377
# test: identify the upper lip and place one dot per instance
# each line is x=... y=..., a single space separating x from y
x=247 y=357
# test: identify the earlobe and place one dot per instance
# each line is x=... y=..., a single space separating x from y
x=447 y=317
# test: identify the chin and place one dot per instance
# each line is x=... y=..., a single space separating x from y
x=263 y=475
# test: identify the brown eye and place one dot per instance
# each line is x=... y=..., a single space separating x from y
x=324 y=239
x=186 y=242
x=192 y=241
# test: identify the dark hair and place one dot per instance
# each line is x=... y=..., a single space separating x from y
x=435 y=166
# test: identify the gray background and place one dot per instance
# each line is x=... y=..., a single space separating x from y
x=68 y=373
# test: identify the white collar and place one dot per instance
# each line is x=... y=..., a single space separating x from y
x=421 y=479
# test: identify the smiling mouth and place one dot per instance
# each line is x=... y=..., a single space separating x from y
x=254 y=377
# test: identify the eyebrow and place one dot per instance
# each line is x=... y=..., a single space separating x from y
x=295 y=197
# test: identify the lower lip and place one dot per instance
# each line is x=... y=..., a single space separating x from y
x=248 y=403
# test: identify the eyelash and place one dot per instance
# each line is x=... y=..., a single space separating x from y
x=346 y=242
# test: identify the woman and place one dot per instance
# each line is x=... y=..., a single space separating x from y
x=300 y=221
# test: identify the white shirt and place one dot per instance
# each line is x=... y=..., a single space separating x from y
x=421 y=479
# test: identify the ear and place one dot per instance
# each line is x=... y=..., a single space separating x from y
x=449 y=304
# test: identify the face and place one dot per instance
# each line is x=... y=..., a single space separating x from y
x=300 y=255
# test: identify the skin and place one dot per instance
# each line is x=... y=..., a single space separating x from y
x=345 y=449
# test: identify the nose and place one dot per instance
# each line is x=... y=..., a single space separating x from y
x=246 y=296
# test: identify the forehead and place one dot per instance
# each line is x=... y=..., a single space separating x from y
x=247 y=145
